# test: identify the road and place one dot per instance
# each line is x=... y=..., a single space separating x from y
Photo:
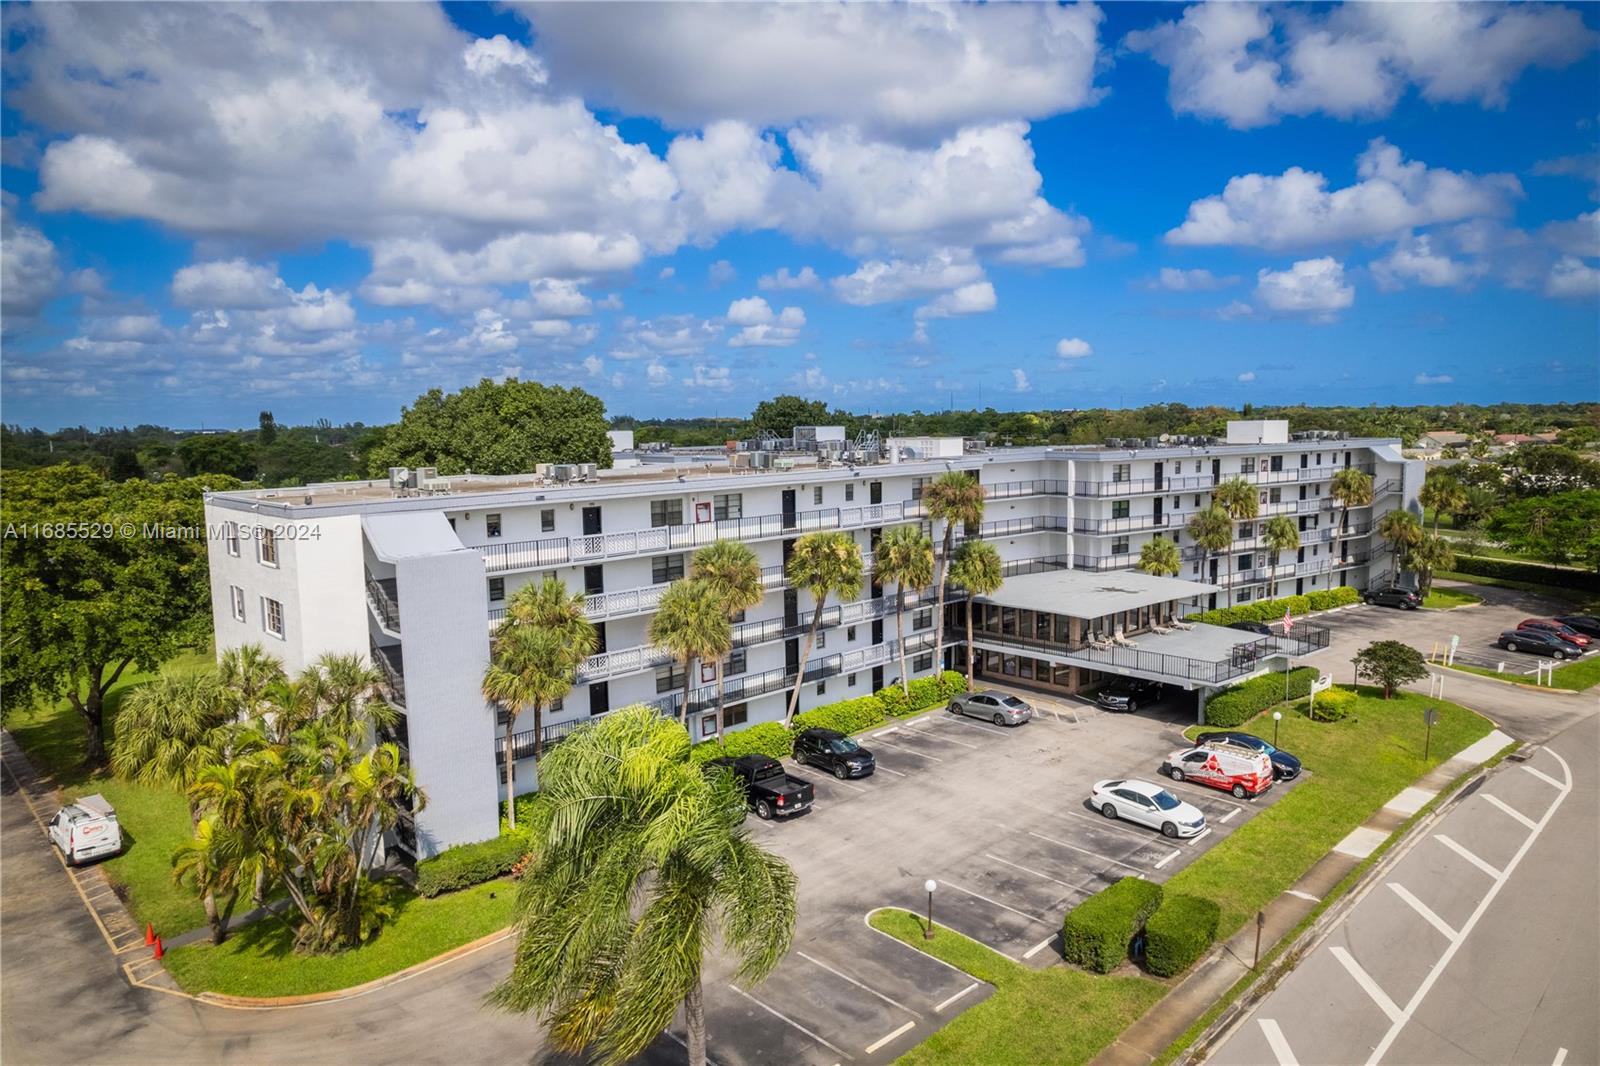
x=1479 y=945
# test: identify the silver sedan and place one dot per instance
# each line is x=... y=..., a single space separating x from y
x=998 y=707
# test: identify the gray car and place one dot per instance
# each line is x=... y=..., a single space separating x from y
x=997 y=707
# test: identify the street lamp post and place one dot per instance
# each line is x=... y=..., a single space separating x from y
x=1277 y=716
x=930 y=885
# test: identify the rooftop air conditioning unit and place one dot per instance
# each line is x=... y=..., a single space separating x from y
x=426 y=473
x=398 y=477
x=761 y=460
x=563 y=471
x=589 y=471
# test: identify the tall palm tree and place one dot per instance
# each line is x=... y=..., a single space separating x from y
x=169 y=732
x=823 y=564
x=1212 y=531
x=1237 y=498
x=733 y=574
x=1440 y=493
x=953 y=497
x=905 y=557
x=1160 y=556
x=978 y=570
x=248 y=674
x=1352 y=488
x=1403 y=532
x=548 y=604
x=691 y=623
x=639 y=861
x=1281 y=535
x=1431 y=555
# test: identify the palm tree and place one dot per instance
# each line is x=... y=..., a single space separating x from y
x=1432 y=554
x=733 y=574
x=1441 y=493
x=1281 y=535
x=1212 y=531
x=1160 y=556
x=823 y=564
x=1403 y=532
x=692 y=623
x=953 y=497
x=977 y=568
x=248 y=674
x=1352 y=488
x=905 y=557
x=1237 y=498
x=169 y=732
x=638 y=861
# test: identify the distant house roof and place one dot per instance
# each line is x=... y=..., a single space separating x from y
x=1445 y=438
x=1548 y=437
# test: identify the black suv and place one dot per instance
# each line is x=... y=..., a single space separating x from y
x=1393 y=596
x=1127 y=693
x=1285 y=767
x=834 y=752
x=1539 y=642
x=1587 y=624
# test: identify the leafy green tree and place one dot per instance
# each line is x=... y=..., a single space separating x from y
x=1159 y=556
x=169 y=731
x=1441 y=493
x=692 y=624
x=1403 y=532
x=823 y=564
x=267 y=430
x=1390 y=663
x=217 y=453
x=954 y=497
x=1563 y=528
x=781 y=414
x=1237 y=498
x=1352 y=488
x=81 y=610
x=1433 y=554
x=978 y=570
x=1212 y=531
x=125 y=465
x=495 y=428
x=904 y=559
x=733 y=574
x=640 y=860
x=1279 y=534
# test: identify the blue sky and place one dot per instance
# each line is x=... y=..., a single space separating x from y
x=326 y=210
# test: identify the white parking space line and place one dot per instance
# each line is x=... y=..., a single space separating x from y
x=676 y=1039
x=1553 y=783
x=876 y=1044
x=865 y=988
x=940 y=1008
x=1368 y=985
x=1465 y=854
x=1175 y=853
x=1086 y=851
x=785 y=1018
x=1040 y=946
x=907 y=747
x=995 y=902
x=866 y=920
x=897 y=773
x=1036 y=873
x=964 y=720
x=1424 y=910
x=1192 y=841
x=1512 y=811
x=1561 y=1056
x=1276 y=1041
x=1231 y=814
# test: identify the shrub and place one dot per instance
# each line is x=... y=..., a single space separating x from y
x=1238 y=704
x=1537 y=573
x=1272 y=610
x=1327 y=599
x=925 y=692
x=1178 y=933
x=1095 y=934
x=765 y=738
x=470 y=864
x=1333 y=705
x=847 y=716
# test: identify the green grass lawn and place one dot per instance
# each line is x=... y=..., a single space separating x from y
x=154 y=821
x=1580 y=599
x=1059 y=1015
x=1575 y=677
x=1443 y=599
x=1357 y=765
x=259 y=960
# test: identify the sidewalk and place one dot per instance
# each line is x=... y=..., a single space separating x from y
x=1146 y=1039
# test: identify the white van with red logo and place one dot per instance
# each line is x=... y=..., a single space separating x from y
x=1231 y=767
x=86 y=829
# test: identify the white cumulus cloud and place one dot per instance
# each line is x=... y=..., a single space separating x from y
x=1433 y=379
x=1314 y=287
x=1073 y=348
x=1019 y=379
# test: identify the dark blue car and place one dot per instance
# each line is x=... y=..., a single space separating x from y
x=1285 y=767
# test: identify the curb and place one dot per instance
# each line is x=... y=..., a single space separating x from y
x=1542 y=689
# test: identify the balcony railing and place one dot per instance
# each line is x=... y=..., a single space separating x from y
x=383 y=598
x=1109 y=526
x=1104 y=562
x=1014 y=527
x=1140 y=486
x=387 y=658
x=1325 y=473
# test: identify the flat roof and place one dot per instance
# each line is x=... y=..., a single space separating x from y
x=1091 y=593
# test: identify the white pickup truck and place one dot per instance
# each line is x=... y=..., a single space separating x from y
x=86 y=829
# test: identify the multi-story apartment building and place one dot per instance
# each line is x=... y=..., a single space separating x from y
x=415 y=572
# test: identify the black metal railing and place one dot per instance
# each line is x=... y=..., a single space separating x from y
x=384 y=597
x=387 y=658
x=1131 y=524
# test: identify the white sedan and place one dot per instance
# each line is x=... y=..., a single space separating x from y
x=1147 y=804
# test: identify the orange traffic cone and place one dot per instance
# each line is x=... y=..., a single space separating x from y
x=158 y=952
x=149 y=934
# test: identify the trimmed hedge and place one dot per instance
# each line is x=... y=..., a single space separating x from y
x=1332 y=705
x=1272 y=610
x=846 y=716
x=764 y=738
x=1096 y=933
x=1178 y=933
x=1537 y=573
x=470 y=864
x=1238 y=704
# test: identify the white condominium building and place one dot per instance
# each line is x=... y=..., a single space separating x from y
x=415 y=571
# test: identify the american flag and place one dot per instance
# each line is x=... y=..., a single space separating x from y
x=1288 y=623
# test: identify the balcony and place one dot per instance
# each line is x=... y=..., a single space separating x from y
x=1325 y=473
x=384 y=600
x=387 y=658
x=1141 y=486
x=1105 y=527
x=601 y=606
x=1015 y=527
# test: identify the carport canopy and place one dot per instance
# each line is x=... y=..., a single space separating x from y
x=1091 y=594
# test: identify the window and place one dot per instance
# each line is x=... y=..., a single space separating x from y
x=233 y=539
x=727 y=505
x=266 y=546
x=822 y=688
x=664 y=568
x=922 y=619
x=1274 y=495
x=822 y=638
x=738 y=714
x=666 y=513
x=916 y=487
x=670 y=678
x=236 y=598
x=272 y=616
x=1305 y=456
x=491 y=524
x=497 y=589
x=850 y=681
x=849 y=491
x=737 y=663
x=816 y=496
x=1245 y=561
x=708 y=725
x=547 y=520
x=850 y=633
x=1119 y=546
x=1119 y=509
x=599 y=698
x=1244 y=596
x=923 y=662
x=1122 y=472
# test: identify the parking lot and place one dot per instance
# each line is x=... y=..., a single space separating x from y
x=999 y=818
